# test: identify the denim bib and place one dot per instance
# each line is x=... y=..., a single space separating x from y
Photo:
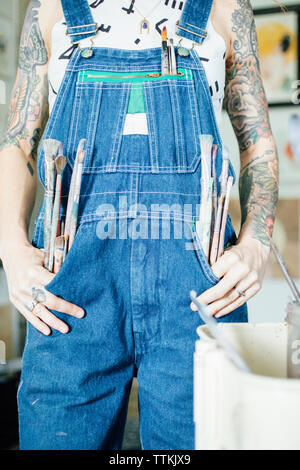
x=100 y=88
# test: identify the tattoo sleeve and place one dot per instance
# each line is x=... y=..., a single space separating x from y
x=29 y=101
x=247 y=107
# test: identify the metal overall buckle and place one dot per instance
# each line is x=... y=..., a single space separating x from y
x=184 y=51
x=86 y=52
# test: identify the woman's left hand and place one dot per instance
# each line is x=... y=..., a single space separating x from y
x=241 y=270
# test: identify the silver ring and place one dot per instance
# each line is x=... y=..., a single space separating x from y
x=38 y=294
x=31 y=305
x=241 y=294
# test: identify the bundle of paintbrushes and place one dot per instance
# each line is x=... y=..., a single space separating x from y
x=59 y=234
x=211 y=225
x=168 y=58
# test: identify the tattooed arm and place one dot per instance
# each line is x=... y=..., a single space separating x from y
x=242 y=267
x=247 y=107
x=27 y=117
x=23 y=264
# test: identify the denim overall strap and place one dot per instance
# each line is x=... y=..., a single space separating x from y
x=193 y=21
x=80 y=21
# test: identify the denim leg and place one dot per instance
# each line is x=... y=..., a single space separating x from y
x=74 y=388
x=165 y=367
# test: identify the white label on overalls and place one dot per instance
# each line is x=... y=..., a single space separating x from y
x=136 y=124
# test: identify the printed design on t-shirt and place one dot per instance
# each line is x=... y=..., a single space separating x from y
x=130 y=9
x=120 y=19
x=96 y=3
x=175 y=4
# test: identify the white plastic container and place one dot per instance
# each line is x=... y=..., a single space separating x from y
x=239 y=411
x=293 y=348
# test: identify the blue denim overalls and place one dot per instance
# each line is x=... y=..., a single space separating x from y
x=128 y=267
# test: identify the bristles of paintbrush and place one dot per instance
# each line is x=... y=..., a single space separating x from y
x=60 y=163
x=51 y=147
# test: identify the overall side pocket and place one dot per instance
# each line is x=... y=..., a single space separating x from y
x=230 y=239
x=67 y=262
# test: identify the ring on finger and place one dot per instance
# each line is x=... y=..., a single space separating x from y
x=30 y=306
x=38 y=294
x=240 y=293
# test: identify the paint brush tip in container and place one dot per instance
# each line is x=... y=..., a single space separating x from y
x=218 y=334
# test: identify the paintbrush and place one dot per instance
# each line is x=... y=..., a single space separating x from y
x=173 y=58
x=58 y=253
x=203 y=225
x=215 y=331
x=215 y=149
x=164 y=53
x=169 y=61
x=289 y=279
x=66 y=246
x=51 y=147
x=72 y=187
x=223 y=188
x=75 y=205
x=224 y=216
x=60 y=163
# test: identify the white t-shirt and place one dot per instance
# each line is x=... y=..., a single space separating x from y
x=120 y=27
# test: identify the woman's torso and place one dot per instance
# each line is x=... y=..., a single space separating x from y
x=120 y=27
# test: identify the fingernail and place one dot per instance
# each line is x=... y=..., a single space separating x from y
x=64 y=329
x=80 y=314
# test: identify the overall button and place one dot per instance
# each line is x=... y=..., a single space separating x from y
x=183 y=51
x=87 y=53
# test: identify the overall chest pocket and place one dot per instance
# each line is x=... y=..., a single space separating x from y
x=136 y=122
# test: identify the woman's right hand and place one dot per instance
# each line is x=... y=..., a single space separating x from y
x=24 y=268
